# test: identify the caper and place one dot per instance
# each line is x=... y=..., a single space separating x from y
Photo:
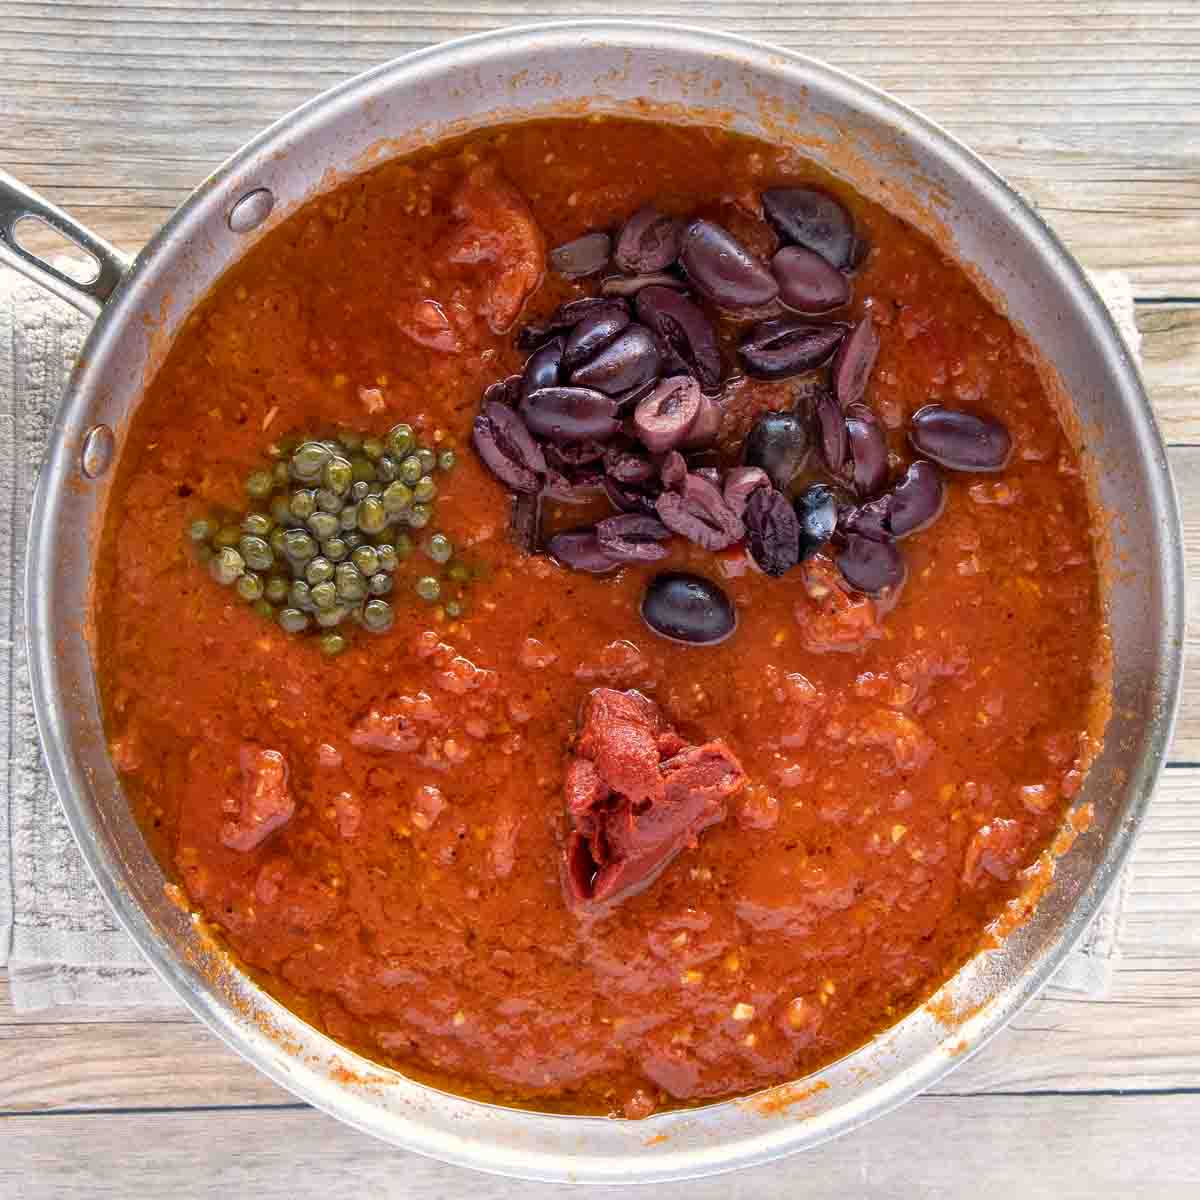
x=303 y=503
x=328 y=501
x=388 y=559
x=292 y=620
x=278 y=542
x=418 y=516
x=257 y=553
x=335 y=549
x=226 y=566
x=348 y=517
x=353 y=539
x=332 y=644
x=373 y=448
x=264 y=609
x=380 y=584
x=404 y=546
x=396 y=498
x=277 y=589
x=439 y=548
x=400 y=440
x=281 y=473
x=446 y=460
x=428 y=588
x=427 y=459
x=350 y=583
x=360 y=490
x=386 y=468
x=324 y=595
x=227 y=536
x=410 y=469
x=202 y=529
x=424 y=490
x=249 y=586
x=459 y=573
x=260 y=484
x=299 y=546
x=377 y=615
x=323 y=525
x=327 y=618
x=309 y=461
x=372 y=517
x=258 y=524
x=366 y=559
x=351 y=439
x=454 y=609
x=300 y=595
x=338 y=475
x=319 y=570
x=362 y=469
x=282 y=447
x=281 y=511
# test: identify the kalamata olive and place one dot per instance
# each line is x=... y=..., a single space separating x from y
x=772 y=531
x=565 y=317
x=584 y=256
x=917 y=500
x=503 y=391
x=685 y=330
x=542 y=366
x=633 y=497
x=783 y=346
x=871 y=520
x=807 y=283
x=573 y=454
x=649 y=241
x=632 y=537
x=664 y=418
x=777 y=442
x=580 y=550
x=504 y=443
x=960 y=441
x=688 y=608
x=855 y=358
x=830 y=425
x=628 y=361
x=628 y=464
x=816 y=513
x=721 y=268
x=869 y=566
x=868 y=459
x=739 y=483
x=596 y=330
x=712 y=474
x=630 y=285
x=525 y=521
x=699 y=513
x=569 y=414
x=672 y=471
x=705 y=427
x=579 y=486
x=813 y=219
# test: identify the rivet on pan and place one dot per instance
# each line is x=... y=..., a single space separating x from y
x=251 y=210
x=97 y=453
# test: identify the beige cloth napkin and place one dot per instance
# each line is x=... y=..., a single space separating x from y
x=60 y=941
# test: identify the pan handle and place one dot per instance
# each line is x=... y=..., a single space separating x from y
x=18 y=202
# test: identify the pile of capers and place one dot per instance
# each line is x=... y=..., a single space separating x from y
x=328 y=532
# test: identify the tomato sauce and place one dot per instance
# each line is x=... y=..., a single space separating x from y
x=904 y=768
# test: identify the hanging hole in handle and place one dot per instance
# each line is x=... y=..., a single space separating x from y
x=251 y=210
x=42 y=240
x=97 y=453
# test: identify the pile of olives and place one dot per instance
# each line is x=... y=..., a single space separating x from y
x=332 y=521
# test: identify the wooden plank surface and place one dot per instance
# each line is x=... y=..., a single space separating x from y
x=1092 y=109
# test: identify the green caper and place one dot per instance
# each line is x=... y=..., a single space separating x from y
x=226 y=566
x=388 y=560
x=300 y=595
x=338 y=475
x=380 y=584
x=332 y=644
x=360 y=490
x=350 y=583
x=257 y=553
x=227 y=536
x=264 y=609
x=260 y=484
x=324 y=595
x=454 y=609
x=249 y=586
x=400 y=440
x=277 y=589
x=396 y=498
x=373 y=448
x=319 y=570
x=351 y=439
x=418 y=516
x=202 y=529
x=292 y=620
x=439 y=548
x=278 y=542
x=372 y=517
x=329 y=502
x=323 y=525
x=309 y=461
x=281 y=511
x=446 y=460
x=386 y=468
x=303 y=503
x=459 y=573
x=427 y=459
x=428 y=588
x=282 y=474
x=404 y=546
x=299 y=546
x=327 y=618
x=283 y=447
x=348 y=517
x=334 y=549
x=377 y=615
x=424 y=490
x=258 y=524
x=362 y=469
x=353 y=539
x=366 y=559
x=410 y=469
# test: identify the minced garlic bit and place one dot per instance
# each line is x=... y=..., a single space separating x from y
x=742 y=1012
x=690 y=977
x=459 y=1018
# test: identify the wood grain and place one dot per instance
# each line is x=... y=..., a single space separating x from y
x=1041 y=1148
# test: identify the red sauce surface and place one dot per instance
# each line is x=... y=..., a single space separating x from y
x=903 y=769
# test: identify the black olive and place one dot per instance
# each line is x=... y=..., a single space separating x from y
x=687 y=608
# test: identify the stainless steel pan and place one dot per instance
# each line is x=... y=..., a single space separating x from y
x=887 y=151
